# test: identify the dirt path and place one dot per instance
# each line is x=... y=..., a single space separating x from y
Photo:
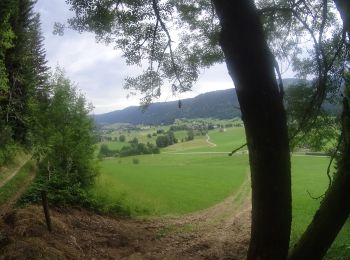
x=14 y=172
x=8 y=205
x=208 y=141
x=220 y=232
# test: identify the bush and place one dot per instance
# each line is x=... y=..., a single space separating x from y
x=106 y=152
x=138 y=149
x=166 y=140
x=178 y=127
x=190 y=135
x=122 y=138
x=135 y=161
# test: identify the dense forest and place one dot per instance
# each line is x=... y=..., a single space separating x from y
x=218 y=104
x=41 y=112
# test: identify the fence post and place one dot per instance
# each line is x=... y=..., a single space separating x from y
x=46 y=210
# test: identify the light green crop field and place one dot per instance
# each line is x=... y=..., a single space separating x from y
x=169 y=184
x=218 y=141
x=228 y=140
x=309 y=175
x=199 y=143
x=115 y=145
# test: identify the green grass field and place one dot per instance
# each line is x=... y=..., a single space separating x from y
x=225 y=141
x=170 y=184
x=175 y=183
x=309 y=175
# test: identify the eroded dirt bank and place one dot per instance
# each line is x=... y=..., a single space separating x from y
x=220 y=232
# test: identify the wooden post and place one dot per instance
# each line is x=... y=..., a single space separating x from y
x=46 y=210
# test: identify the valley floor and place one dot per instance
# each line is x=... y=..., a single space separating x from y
x=220 y=232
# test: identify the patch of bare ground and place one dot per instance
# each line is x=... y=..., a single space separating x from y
x=220 y=232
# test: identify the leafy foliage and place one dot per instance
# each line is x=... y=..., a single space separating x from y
x=145 y=31
x=138 y=149
x=64 y=146
x=135 y=148
x=23 y=73
x=322 y=133
x=166 y=140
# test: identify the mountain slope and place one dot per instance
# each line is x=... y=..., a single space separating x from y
x=217 y=104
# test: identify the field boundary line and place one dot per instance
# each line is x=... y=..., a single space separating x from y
x=309 y=155
x=179 y=153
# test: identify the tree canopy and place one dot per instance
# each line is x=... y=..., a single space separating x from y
x=177 y=38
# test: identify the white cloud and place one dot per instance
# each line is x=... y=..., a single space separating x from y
x=99 y=70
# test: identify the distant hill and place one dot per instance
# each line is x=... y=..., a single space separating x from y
x=219 y=104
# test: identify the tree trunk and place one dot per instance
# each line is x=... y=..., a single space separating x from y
x=334 y=209
x=251 y=66
x=343 y=7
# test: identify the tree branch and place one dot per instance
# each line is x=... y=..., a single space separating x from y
x=162 y=24
x=237 y=149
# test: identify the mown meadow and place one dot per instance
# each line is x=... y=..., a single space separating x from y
x=190 y=176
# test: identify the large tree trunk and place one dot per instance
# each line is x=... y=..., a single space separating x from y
x=343 y=7
x=334 y=209
x=250 y=64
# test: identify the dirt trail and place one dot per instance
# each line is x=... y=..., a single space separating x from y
x=210 y=143
x=220 y=232
x=14 y=172
x=8 y=205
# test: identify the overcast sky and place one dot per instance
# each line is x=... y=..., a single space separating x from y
x=99 y=70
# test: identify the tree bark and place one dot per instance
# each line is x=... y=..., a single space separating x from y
x=343 y=7
x=334 y=209
x=251 y=67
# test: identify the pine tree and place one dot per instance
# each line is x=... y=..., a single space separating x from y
x=27 y=69
x=23 y=73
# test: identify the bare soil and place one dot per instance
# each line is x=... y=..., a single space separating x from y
x=220 y=232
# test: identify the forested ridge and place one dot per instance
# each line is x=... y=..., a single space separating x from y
x=217 y=104
x=220 y=104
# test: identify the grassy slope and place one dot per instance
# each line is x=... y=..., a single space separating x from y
x=170 y=184
x=309 y=174
x=11 y=188
x=225 y=142
x=7 y=170
x=176 y=194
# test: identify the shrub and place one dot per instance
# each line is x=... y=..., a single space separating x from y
x=122 y=138
x=135 y=161
x=138 y=149
x=106 y=152
x=166 y=140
